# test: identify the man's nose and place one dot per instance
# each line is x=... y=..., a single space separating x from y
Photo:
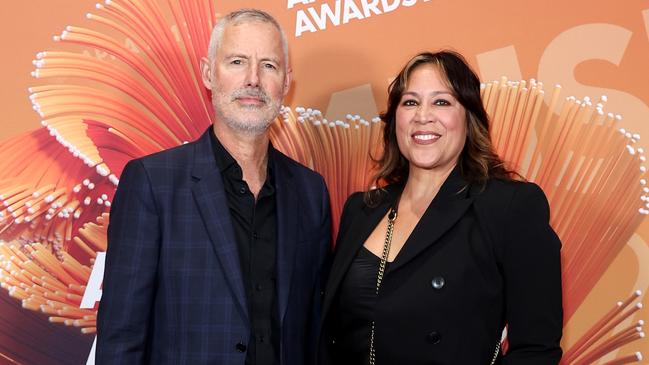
x=252 y=76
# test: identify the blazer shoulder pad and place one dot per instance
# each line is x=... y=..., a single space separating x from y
x=179 y=153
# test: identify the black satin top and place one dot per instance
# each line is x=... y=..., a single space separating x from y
x=355 y=308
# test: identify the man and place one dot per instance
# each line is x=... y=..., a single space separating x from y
x=216 y=248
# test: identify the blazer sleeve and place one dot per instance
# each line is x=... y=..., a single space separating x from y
x=325 y=239
x=532 y=274
x=130 y=271
x=324 y=264
x=325 y=242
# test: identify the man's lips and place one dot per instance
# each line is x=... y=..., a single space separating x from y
x=250 y=100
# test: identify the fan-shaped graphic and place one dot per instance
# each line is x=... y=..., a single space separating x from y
x=129 y=85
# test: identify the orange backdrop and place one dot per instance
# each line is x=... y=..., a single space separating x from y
x=590 y=48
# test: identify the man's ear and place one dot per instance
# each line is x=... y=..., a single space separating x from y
x=287 y=80
x=206 y=72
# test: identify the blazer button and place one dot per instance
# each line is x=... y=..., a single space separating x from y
x=240 y=347
x=434 y=337
x=438 y=282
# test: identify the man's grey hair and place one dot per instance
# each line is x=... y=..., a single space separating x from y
x=243 y=16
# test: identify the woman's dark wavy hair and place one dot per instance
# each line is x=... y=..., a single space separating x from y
x=478 y=162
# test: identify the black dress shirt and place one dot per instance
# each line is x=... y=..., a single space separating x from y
x=255 y=230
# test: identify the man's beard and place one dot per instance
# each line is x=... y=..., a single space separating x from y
x=238 y=117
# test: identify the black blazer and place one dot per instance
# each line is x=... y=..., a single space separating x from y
x=173 y=291
x=500 y=264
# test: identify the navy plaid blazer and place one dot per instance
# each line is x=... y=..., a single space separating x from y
x=173 y=291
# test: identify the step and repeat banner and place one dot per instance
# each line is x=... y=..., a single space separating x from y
x=88 y=86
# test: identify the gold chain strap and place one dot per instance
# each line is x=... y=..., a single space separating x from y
x=493 y=359
x=392 y=216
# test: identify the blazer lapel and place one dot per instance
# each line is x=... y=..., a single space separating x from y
x=448 y=206
x=445 y=210
x=209 y=195
x=287 y=226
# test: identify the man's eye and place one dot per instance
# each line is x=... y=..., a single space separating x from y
x=270 y=66
x=236 y=62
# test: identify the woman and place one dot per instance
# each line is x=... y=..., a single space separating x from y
x=430 y=268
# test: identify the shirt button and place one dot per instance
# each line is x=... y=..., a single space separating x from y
x=242 y=189
x=255 y=235
x=437 y=282
x=261 y=338
x=240 y=347
x=258 y=287
x=434 y=337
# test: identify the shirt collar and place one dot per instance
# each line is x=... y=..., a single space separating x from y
x=224 y=159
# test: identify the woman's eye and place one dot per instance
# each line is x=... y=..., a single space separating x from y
x=409 y=102
x=441 y=102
